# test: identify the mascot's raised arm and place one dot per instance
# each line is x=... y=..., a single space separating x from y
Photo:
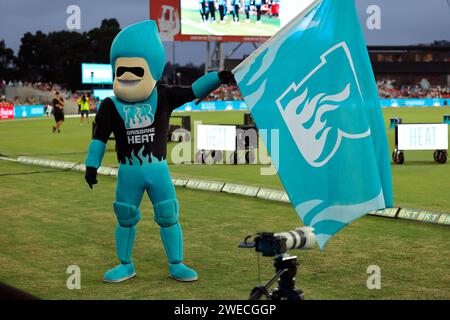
x=138 y=115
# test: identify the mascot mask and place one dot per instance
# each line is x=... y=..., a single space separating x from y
x=138 y=60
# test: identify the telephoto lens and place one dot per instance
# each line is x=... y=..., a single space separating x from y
x=300 y=238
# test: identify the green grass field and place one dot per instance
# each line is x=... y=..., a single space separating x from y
x=419 y=183
x=191 y=24
x=50 y=221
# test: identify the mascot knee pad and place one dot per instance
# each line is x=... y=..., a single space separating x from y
x=128 y=215
x=166 y=212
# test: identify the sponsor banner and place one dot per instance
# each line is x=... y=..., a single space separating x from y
x=428 y=216
x=444 y=219
x=424 y=216
x=212 y=137
x=237 y=105
x=240 y=189
x=273 y=195
x=205 y=185
x=422 y=136
x=409 y=214
x=79 y=167
x=180 y=182
x=24 y=160
x=285 y=198
x=240 y=105
x=66 y=164
x=388 y=212
x=166 y=13
x=6 y=111
x=387 y=103
x=57 y=164
x=28 y=111
x=104 y=171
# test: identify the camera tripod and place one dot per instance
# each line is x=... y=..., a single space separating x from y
x=286 y=270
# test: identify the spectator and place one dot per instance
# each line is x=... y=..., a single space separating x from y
x=84 y=109
x=58 y=112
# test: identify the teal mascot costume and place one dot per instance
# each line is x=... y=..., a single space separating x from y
x=138 y=115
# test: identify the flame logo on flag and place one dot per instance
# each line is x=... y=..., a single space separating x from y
x=300 y=110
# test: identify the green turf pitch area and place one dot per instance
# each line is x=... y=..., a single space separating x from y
x=419 y=183
x=191 y=24
x=50 y=221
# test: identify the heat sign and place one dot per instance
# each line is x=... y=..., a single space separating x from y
x=422 y=136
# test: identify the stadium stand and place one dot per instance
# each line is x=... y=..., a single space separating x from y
x=391 y=88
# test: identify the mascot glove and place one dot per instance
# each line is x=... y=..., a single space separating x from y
x=226 y=77
x=91 y=176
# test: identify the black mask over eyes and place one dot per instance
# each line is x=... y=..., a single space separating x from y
x=137 y=71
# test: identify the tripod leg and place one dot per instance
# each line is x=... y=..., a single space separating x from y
x=258 y=292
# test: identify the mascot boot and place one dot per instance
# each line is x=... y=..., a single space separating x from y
x=128 y=216
x=166 y=215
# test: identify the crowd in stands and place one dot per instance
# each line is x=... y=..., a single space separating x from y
x=391 y=89
x=42 y=86
x=226 y=93
x=387 y=88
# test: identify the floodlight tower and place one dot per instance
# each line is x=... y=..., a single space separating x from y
x=214 y=57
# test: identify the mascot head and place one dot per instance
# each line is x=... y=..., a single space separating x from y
x=138 y=60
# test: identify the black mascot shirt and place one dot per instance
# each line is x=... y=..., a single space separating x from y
x=140 y=131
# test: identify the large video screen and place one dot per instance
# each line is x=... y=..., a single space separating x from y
x=248 y=18
x=93 y=73
x=384 y=22
x=102 y=94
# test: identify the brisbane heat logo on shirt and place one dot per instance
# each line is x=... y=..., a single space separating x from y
x=138 y=119
x=138 y=116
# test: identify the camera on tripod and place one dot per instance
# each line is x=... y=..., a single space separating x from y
x=273 y=244
x=276 y=245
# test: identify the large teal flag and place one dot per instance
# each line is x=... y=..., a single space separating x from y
x=313 y=84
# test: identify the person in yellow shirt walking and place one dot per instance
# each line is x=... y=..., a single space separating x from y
x=83 y=102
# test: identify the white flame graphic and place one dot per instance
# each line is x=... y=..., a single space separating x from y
x=311 y=146
x=311 y=141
